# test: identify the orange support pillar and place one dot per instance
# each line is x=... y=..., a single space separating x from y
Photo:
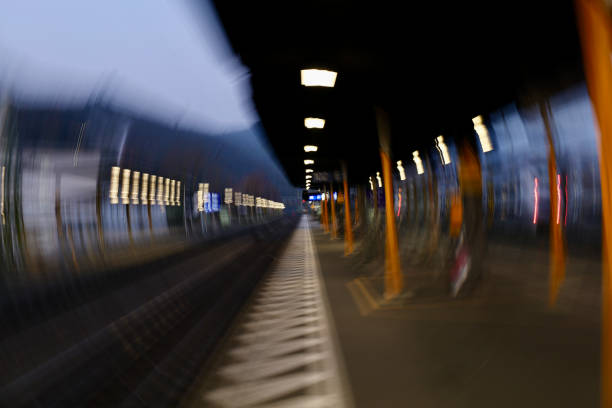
x=556 y=273
x=332 y=203
x=324 y=216
x=357 y=199
x=348 y=225
x=393 y=274
x=594 y=25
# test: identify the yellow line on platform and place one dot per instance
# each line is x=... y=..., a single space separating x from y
x=364 y=309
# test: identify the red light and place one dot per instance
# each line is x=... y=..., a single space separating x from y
x=558 y=198
x=535 y=194
x=399 y=204
x=565 y=220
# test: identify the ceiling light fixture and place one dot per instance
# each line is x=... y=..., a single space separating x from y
x=318 y=77
x=314 y=123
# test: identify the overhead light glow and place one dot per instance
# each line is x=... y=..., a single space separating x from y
x=379 y=179
x=308 y=161
x=314 y=123
x=443 y=150
x=310 y=148
x=318 y=77
x=309 y=170
x=483 y=134
x=419 y=163
x=308 y=176
x=371 y=184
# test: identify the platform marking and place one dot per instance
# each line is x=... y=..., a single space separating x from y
x=285 y=354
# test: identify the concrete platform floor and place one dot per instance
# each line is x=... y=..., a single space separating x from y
x=505 y=348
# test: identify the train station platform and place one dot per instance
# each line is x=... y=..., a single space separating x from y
x=314 y=334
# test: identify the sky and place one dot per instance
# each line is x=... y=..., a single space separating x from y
x=163 y=58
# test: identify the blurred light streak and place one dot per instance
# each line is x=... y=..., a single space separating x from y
x=310 y=148
x=2 y=196
x=399 y=201
x=565 y=218
x=371 y=184
x=308 y=161
x=535 y=194
x=558 y=198
x=318 y=77
x=378 y=179
x=309 y=170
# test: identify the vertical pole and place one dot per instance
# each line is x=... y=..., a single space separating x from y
x=99 y=226
x=348 y=227
x=332 y=203
x=393 y=275
x=556 y=269
x=357 y=206
x=594 y=26
x=324 y=212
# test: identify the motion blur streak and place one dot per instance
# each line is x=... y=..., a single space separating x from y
x=535 y=200
x=122 y=251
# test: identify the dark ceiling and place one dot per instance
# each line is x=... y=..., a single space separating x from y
x=432 y=66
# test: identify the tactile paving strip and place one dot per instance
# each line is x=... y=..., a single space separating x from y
x=284 y=351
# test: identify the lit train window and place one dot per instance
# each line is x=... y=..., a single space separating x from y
x=135 y=186
x=172 y=188
x=125 y=187
x=201 y=197
x=166 y=191
x=152 y=190
x=145 y=186
x=114 y=185
x=160 y=191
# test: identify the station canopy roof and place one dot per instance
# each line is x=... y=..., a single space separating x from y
x=431 y=65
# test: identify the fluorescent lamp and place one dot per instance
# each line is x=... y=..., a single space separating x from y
x=310 y=148
x=314 y=123
x=308 y=161
x=318 y=77
x=309 y=170
x=443 y=150
x=483 y=134
x=419 y=163
x=401 y=170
